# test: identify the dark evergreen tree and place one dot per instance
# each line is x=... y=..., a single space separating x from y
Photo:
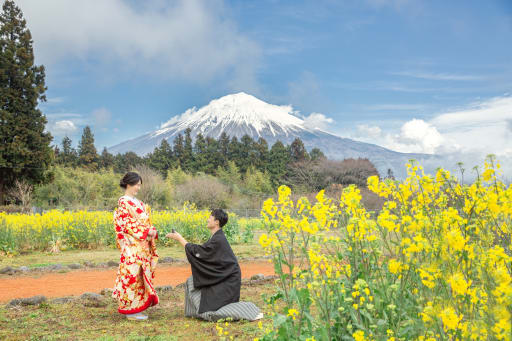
x=279 y=158
x=161 y=159
x=106 y=159
x=188 y=152
x=224 y=148
x=178 y=150
x=25 y=151
x=200 y=154
x=235 y=152
x=68 y=156
x=261 y=154
x=87 y=155
x=125 y=162
x=213 y=155
x=247 y=153
x=297 y=151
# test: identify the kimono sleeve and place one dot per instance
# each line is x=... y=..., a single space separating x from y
x=128 y=223
x=207 y=262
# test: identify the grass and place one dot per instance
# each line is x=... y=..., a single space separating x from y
x=73 y=321
x=39 y=259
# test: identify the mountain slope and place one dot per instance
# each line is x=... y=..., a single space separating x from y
x=240 y=114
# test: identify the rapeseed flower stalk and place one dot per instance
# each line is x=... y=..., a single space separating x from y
x=434 y=263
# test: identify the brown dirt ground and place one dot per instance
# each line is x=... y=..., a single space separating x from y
x=80 y=281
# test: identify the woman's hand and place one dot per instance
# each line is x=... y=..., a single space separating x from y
x=152 y=233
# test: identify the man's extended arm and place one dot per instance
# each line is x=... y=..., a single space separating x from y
x=176 y=236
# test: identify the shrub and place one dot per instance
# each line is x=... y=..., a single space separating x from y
x=205 y=191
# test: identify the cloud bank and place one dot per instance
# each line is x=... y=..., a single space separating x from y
x=193 y=40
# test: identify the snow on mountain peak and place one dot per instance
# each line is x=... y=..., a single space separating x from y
x=238 y=109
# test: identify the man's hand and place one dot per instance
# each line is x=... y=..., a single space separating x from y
x=177 y=237
x=174 y=235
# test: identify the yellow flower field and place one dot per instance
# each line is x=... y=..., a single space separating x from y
x=92 y=229
x=434 y=264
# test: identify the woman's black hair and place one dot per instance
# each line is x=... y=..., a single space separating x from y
x=130 y=178
x=221 y=216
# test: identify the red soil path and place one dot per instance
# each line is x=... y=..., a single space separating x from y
x=78 y=282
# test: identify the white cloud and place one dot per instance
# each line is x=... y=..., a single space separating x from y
x=189 y=112
x=193 y=40
x=480 y=129
x=317 y=120
x=61 y=128
x=369 y=131
x=491 y=112
x=421 y=133
x=415 y=136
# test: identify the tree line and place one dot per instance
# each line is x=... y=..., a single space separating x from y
x=200 y=155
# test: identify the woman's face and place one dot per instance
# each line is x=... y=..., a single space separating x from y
x=133 y=189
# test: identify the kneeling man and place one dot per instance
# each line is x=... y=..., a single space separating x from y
x=213 y=291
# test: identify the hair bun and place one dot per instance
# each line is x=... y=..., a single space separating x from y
x=130 y=178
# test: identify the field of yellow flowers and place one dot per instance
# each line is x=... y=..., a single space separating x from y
x=434 y=264
x=93 y=229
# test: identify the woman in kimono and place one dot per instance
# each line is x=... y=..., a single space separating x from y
x=136 y=240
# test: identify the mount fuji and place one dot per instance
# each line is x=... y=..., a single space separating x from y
x=240 y=114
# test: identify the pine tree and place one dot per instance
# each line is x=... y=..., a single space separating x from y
x=25 y=151
x=213 y=155
x=188 y=152
x=261 y=154
x=68 y=156
x=125 y=162
x=297 y=151
x=161 y=159
x=200 y=154
x=87 y=155
x=106 y=159
x=235 y=152
x=224 y=148
x=248 y=153
x=178 y=150
x=279 y=157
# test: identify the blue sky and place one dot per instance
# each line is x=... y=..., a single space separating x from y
x=420 y=76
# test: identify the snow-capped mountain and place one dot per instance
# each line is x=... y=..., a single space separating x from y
x=240 y=114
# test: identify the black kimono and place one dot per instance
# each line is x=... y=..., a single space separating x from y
x=215 y=271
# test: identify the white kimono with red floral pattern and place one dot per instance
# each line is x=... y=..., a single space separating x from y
x=134 y=288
